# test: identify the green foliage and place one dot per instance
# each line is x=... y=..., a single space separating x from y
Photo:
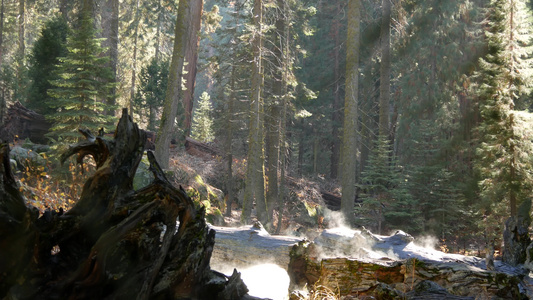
x=80 y=94
x=202 y=122
x=150 y=96
x=504 y=151
x=386 y=200
x=43 y=64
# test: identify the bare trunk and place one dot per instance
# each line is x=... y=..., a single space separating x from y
x=19 y=91
x=229 y=145
x=191 y=57
x=134 y=58
x=158 y=32
x=109 y=13
x=384 y=88
x=349 y=141
x=336 y=116
x=173 y=92
x=255 y=181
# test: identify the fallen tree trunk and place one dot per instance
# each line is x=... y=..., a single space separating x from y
x=22 y=123
x=115 y=243
x=360 y=264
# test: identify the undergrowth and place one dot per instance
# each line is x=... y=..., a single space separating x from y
x=48 y=185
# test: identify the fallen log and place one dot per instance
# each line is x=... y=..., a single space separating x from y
x=357 y=263
x=23 y=123
x=115 y=243
x=197 y=148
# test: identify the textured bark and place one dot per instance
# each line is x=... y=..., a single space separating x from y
x=384 y=87
x=229 y=145
x=111 y=244
x=255 y=171
x=274 y=117
x=336 y=116
x=348 y=265
x=174 y=90
x=516 y=235
x=24 y=124
x=191 y=57
x=134 y=61
x=2 y=7
x=349 y=140
x=110 y=15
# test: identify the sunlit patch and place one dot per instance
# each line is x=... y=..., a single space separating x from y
x=266 y=281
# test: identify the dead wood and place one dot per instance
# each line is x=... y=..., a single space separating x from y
x=22 y=123
x=197 y=148
x=115 y=243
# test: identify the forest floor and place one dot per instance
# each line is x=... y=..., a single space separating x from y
x=305 y=212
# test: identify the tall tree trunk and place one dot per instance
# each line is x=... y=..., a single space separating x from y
x=384 y=87
x=158 y=30
x=349 y=141
x=173 y=92
x=3 y=103
x=255 y=181
x=21 y=50
x=274 y=125
x=229 y=144
x=2 y=33
x=283 y=124
x=134 y=58
x=21 y=24
x=191 y=57
x=63 y=9
x=110 y=15
x=336 y=116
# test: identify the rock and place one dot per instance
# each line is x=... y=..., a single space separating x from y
x=26 y=157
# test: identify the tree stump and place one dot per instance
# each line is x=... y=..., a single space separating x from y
x=115 y=243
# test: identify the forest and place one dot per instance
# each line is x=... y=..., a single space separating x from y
x=416 y=114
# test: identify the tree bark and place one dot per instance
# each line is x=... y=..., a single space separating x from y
x=255 y=171
x=3 y=102
x=336 y=116
x=349 y=141
x=115 y=243
x=191 y=57
x=110 y=19
x=134 y=61
x=229 y=144
x=273 y=127
x=384 y=87
x=174 y=91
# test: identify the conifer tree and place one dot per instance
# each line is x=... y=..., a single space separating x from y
x=150 y=95
x=502 y=153
x=81 y=92
x=202 y=122
x=503 y=156
x=255 y=170
x=43 y=63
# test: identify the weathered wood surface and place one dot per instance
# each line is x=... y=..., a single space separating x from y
x=197 y=148
x=115 y=243
x=23 y=123
x=392 y=267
